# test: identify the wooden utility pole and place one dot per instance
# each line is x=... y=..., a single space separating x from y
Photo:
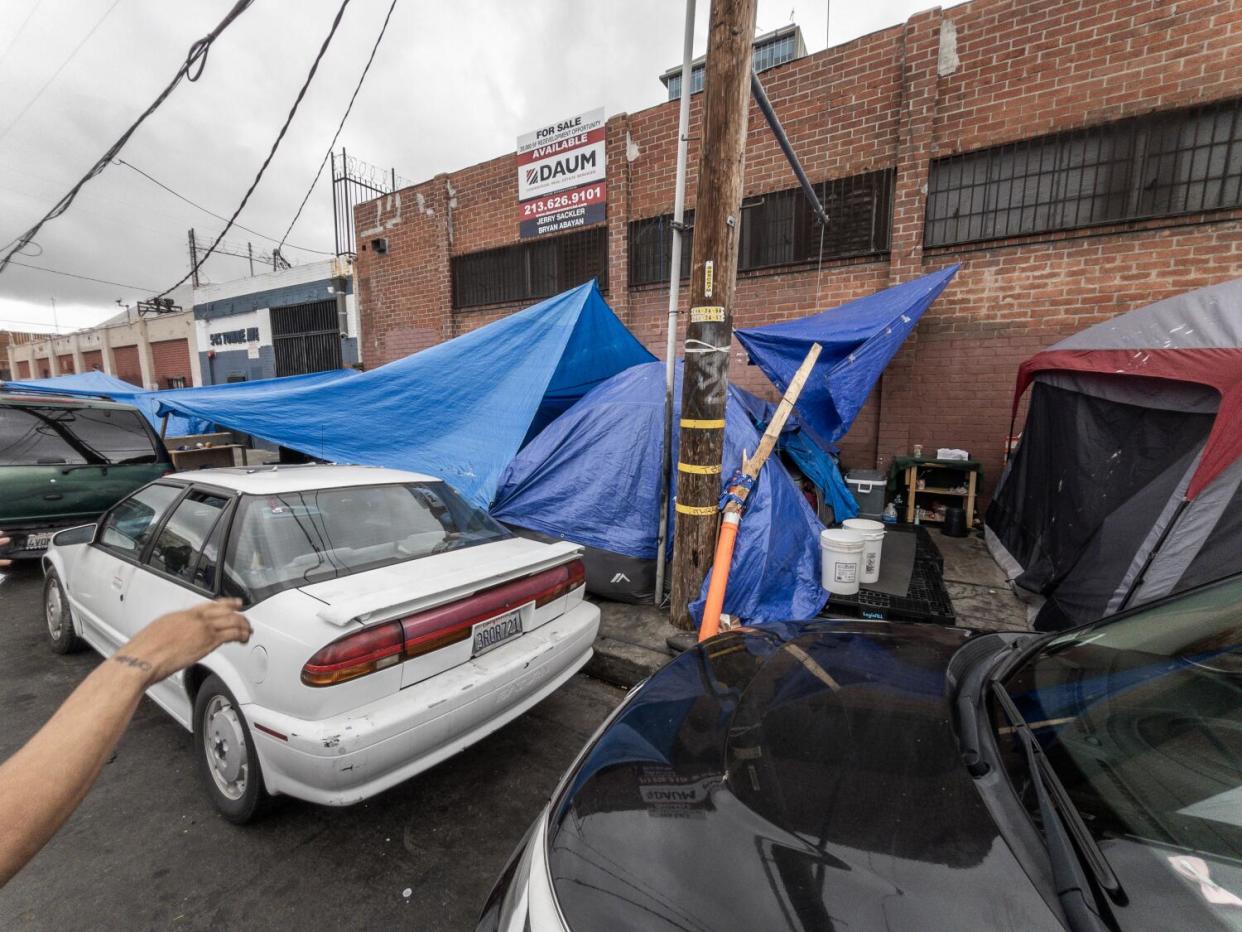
x=713 y=276
x=194 y=257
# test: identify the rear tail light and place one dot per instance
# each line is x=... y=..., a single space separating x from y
x=383 y=645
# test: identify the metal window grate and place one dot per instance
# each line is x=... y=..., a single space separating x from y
x=306 y=337
x=531 y=271
x=780 y=229
x=1159 y=165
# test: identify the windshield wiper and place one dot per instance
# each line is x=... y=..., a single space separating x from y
x=1065 y=833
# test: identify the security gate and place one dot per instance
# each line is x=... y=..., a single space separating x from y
x=306 y=338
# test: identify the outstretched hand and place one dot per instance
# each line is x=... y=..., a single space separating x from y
x=3 y=542
x=174 y=641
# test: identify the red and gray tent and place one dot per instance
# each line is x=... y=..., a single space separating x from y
x=1125 y=486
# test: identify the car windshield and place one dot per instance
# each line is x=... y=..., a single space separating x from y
x=296 y=538
x=1141 y=718
x=39 y=435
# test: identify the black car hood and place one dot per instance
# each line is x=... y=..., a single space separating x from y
x=794 y=777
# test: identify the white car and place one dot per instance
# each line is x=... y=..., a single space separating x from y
x=394 y=623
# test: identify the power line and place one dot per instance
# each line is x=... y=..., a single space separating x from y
x=197 y=56
x=341 y=125
x=102 y=281
x=336 y=21
x=55 y=74
x=20 y=30
x=212 y=213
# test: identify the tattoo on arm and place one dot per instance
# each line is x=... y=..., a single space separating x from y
x=132 y=662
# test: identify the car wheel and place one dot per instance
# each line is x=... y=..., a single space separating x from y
x=60 y=634
x=226 y=753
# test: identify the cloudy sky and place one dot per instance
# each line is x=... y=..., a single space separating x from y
x=452 y=85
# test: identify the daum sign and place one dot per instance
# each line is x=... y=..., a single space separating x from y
x=561 y=175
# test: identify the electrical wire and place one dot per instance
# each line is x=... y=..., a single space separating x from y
x=324 y=161
x=336 y=21
x=191 y=69
x=20 y=29
x=87 y=278
x=56 y=74
x=212 y=213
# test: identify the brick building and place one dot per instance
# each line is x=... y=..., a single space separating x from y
x=1078 y=157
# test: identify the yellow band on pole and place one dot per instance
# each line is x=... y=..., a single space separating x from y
x=702 y=511
x=698 y=470
x=703 y=425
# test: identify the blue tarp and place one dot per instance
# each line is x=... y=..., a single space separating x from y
x=858 y=339
x=458 y=410
x=593 y=477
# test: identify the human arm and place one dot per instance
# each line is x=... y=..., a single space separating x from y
x=43 y=783
x=3 y=541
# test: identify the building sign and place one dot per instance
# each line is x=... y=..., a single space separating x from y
x=233 y=337
x=561 y=172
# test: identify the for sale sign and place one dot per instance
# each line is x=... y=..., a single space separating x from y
x=561 y=171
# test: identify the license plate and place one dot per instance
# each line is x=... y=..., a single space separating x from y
x=495 y=631
x=37 y=541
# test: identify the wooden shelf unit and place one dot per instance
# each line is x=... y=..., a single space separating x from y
x=913 y=491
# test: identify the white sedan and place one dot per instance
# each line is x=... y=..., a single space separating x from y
x=394 y=623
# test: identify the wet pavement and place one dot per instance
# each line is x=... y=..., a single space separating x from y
x=146 y=849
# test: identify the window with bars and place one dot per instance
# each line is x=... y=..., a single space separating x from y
x=532 y=270
x=769 y=51
x=780 y=228
x=1159 y=165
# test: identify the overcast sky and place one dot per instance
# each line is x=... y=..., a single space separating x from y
x=452 y=85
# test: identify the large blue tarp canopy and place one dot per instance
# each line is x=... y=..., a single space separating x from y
x=858 y=339
x=593 y=477
x=458 y=410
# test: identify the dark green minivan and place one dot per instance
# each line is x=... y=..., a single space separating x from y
x=64 y=461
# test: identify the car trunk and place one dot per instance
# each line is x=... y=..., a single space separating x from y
x=445 y=582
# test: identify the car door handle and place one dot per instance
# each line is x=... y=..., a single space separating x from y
x=53 y=496
x=117 y=582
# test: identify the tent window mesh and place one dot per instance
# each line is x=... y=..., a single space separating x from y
x=531 y=271
x=780 y=228
x=1158 y=165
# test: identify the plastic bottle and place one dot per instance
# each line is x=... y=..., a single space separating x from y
x=890 y=513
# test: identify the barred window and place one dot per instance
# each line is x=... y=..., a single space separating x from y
x=651 y=249
x=1158 y=165
x=531 y=271
x=780 y=228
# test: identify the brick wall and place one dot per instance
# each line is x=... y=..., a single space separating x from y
x=170 y=359
x=128 y=368
x=92 y=359
x=894 y=98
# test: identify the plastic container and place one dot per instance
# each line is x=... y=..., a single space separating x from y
x=954 y=523
x=873 y=543
x=841 y=554
x=868 y=487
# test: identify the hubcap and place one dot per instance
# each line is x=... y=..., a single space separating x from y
x=224 y=743
x=53 y=611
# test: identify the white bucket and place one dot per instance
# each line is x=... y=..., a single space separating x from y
x=841 y=551
x=873 y=542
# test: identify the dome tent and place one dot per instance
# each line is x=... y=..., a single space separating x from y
x=1127 y=483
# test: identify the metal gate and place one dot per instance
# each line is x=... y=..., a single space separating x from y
x=306 y=338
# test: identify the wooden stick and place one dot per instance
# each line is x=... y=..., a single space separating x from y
x=733 y=510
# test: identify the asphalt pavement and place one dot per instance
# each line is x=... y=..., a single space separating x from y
x=146 y=849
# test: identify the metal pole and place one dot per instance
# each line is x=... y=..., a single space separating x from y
x=674 y=296
x=194 y=257
x=250 y=256
x=765 y=106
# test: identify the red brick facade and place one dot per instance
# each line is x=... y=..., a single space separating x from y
x=92 y=360
x=895 y=98
x=128 y=368
x=171 y=360
x=65 y=362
